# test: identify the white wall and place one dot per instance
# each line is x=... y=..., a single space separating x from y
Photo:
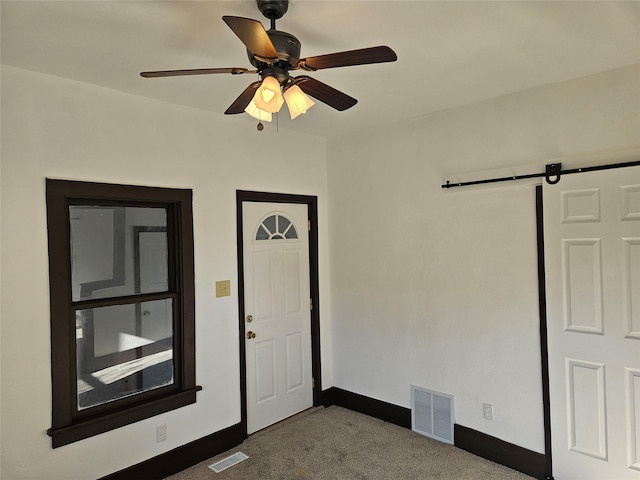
x=428 y=286
x=438 y=287
x=52 y=127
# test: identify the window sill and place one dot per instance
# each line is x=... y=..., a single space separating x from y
x=109 y=421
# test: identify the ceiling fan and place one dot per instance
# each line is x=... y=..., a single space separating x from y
x=274 y=54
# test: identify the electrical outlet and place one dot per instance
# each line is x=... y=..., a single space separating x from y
x=161 y=432
x=488 y=411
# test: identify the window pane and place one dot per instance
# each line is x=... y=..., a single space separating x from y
x=262 y=234
x=276 y=227
x=283 y=223
x=291 y=233
x=270 y=224
x=117 y=251
x=123 y=350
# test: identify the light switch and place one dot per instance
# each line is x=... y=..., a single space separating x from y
x=223 y=288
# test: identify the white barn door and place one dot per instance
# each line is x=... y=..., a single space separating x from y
x=592 y=262
x=278 y=312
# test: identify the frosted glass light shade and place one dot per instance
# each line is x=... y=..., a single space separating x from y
x=268 y=97
x=255 y=112
x=297 y=101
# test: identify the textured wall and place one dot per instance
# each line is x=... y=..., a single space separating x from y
x=431 y=287
x=438 y=287
x=56 y=128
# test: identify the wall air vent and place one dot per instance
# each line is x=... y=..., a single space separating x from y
x=432 y=414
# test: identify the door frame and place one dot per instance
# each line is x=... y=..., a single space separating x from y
x=544 y=344
x=312 y=211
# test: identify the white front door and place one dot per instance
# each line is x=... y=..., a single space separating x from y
x=277 y=311
x=592 y=261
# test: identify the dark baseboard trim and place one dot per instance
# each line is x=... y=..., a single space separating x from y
x=183 y=457
x=480 y=444
x=370 y=406
x=498 y=451
x=328 y=397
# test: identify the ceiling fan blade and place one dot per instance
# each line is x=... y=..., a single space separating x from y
x=324 y=93
x=195 y=71
x=361 y=56
x=240 y=103
x=254 y=36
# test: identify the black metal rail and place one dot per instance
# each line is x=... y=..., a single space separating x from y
x=553 y=172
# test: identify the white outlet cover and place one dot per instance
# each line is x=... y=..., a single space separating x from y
x=161 y=433
x=488 y=411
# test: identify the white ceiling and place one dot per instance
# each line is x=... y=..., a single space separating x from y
x=450 y=53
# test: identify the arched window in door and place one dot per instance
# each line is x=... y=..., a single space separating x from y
x=276 y=227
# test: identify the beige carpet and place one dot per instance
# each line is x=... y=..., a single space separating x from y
x=338 y=444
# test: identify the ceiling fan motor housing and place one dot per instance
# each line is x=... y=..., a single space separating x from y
x=273 y=9
x=287 y=46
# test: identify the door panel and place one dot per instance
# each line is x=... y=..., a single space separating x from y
x=262 y=287
x=582 y=272
x=585 y=402
x=295 y=361
x=292 y=282
x=632 y=286
x=592 y=263
x=633 y=414
x=265 y=370
x=277 y=296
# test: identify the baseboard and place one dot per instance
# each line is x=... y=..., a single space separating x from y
x=480 y=444
x=327 y=397
x=369 y=406
x=492 y=448
x=183 y=457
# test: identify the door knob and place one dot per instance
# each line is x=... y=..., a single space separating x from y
x=250 y=335
x=249 y=318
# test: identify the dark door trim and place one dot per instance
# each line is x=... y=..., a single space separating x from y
x=544 y=349
x=312 y=209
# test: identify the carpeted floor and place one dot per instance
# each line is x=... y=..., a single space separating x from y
x=338 y=444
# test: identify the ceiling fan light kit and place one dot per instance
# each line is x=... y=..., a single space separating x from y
x=274 y=54
x=262 y=115
x=268 y=97
x=297 y=101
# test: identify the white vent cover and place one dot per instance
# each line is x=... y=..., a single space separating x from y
x=432 y=414
x=227 y=462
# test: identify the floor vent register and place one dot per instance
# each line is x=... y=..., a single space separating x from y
x=228 y=462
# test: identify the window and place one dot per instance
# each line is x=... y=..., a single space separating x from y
x=122 y=305
x=276 y=227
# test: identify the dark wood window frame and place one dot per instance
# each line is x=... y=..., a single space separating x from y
x=69 y=425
